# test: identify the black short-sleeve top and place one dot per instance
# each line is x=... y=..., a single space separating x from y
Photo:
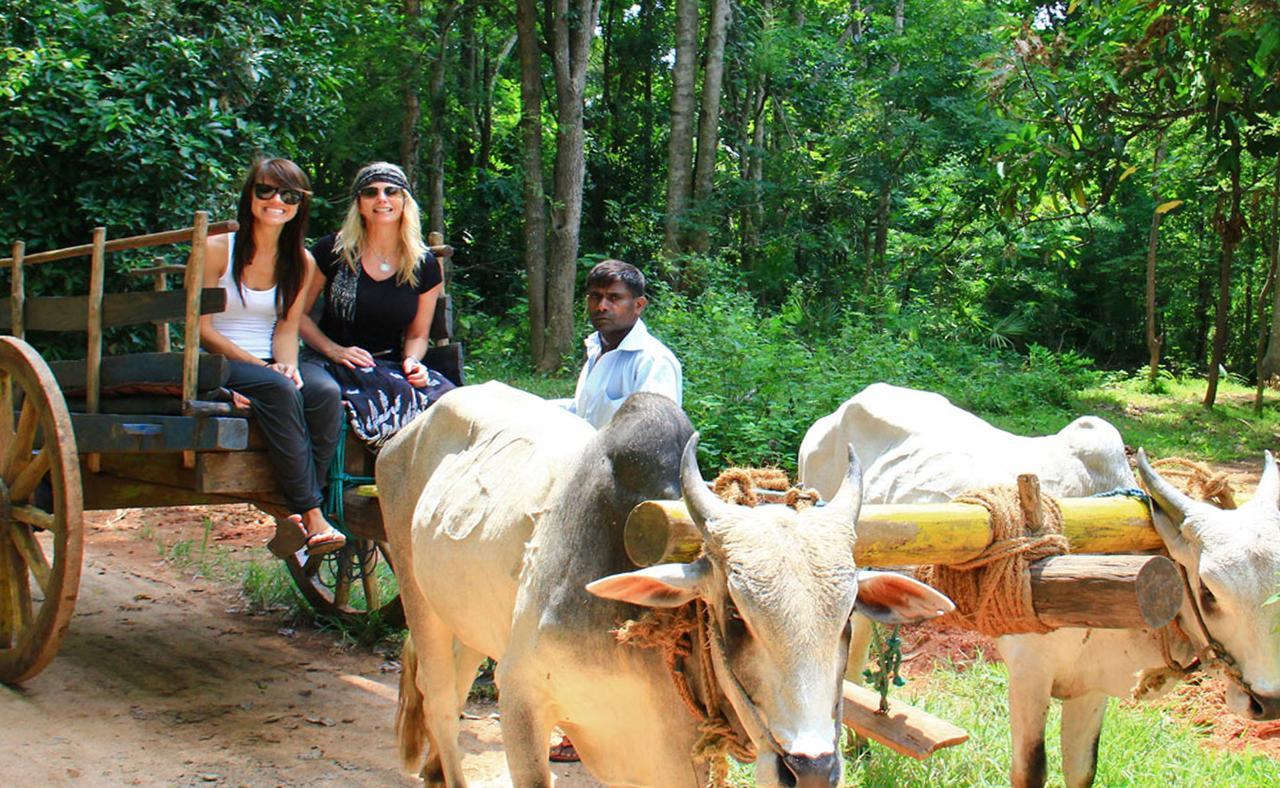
x=362 y=311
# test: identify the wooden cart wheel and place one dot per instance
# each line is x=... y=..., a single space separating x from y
x=41 y=509
x=345 y=583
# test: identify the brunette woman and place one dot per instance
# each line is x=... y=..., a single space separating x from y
x=266 y=269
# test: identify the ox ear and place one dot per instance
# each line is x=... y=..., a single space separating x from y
x=664 y=585
x=891 y=598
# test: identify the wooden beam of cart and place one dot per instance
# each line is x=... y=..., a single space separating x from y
x=911 y=534
x=121 y=244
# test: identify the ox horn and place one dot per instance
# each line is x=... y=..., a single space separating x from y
x=703 y=505
x=1173 y=502
x=844 y=506
x=1268 y=492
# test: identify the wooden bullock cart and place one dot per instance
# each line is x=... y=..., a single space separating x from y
x=145 y=430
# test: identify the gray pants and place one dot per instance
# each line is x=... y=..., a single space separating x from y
x=301 y=425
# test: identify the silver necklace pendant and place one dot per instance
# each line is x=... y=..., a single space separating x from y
x=384 y=266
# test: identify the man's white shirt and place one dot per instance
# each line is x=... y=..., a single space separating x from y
x=639 y=363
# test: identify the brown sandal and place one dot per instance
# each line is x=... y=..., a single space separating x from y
x=327 y=541
x=564 y=752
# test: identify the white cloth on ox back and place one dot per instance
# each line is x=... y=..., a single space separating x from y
x=639 y=363
x=916 y=447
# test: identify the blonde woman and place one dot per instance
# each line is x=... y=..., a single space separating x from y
x=380 y=284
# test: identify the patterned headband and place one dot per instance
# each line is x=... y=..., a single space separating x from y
x=385 y=173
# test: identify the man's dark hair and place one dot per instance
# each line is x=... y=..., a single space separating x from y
x=610 y=271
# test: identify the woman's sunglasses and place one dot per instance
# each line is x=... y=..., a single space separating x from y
x=371 y=192
x=265 y=191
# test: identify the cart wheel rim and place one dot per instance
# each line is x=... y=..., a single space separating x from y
x=41 y=513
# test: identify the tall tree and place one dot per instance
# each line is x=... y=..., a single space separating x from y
x=446 y=13
x=709 y=119
x=680 y=143
x=1154 y=341
x=573 y=29
x=535 y=208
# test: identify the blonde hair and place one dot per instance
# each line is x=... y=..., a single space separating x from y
x=352 y=236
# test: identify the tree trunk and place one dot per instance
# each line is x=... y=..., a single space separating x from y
x=1269 y=365
x=680 y=144
x=1154 y=343
x=899 y=21
x=573 y=33
x=410 y=139
x=535 y=208
x=1229 y=230
x=709 y=122
x=435 y=103
x=492 y=67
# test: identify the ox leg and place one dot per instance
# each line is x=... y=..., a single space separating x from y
x=526 y=730
x=466 y=663
x=1029 y=696
x=436 y=653
x=1081 y=729
x=859 y=648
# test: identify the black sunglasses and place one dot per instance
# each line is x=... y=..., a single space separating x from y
x=372 y=191
x=265 y=191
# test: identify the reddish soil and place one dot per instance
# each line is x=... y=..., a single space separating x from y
x=168 y=678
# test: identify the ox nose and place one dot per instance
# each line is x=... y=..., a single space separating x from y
x=1263 y=707
x=822 y=771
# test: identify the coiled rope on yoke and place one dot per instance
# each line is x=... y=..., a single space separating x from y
x=992 y=592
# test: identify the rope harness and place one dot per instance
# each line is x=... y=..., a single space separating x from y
x=992 y=592
x=1200 y=482
x=673 y=631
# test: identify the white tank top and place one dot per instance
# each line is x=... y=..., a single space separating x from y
x=251 y=322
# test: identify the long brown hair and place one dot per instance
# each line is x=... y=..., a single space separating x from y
x=291 y=250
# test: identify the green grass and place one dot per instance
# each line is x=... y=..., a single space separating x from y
x=1142 y=744
x=1172 y=421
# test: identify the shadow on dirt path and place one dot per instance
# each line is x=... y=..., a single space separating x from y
x=164 y=680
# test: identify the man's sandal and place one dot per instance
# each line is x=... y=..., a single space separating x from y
x=564 y=752
x=327 y=541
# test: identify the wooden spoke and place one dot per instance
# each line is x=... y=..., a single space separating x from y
x=327 y=582
x=32 y=625
x=32 y=554
x=8 y=585
x=34 y=516
x=30 y=476
x=15 y=609
x=369 y=579
x=342 y=586
x=20 y=450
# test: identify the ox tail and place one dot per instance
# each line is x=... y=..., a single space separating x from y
x=411 y=730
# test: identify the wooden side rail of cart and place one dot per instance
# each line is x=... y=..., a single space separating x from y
x=140 y=430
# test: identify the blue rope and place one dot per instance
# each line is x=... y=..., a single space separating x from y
x=1128 y=492
x=340 y=481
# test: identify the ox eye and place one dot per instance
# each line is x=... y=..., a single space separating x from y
x=1208 y=601
x=734 y=624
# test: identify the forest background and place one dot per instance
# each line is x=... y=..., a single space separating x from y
x=1034 y=208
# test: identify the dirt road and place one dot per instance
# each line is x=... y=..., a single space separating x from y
x=164 y=679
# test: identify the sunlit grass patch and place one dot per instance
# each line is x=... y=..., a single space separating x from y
x=1172 y=421
x=1142 y=744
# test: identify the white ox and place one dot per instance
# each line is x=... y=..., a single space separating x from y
x=489 y=469
x=917 y=447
